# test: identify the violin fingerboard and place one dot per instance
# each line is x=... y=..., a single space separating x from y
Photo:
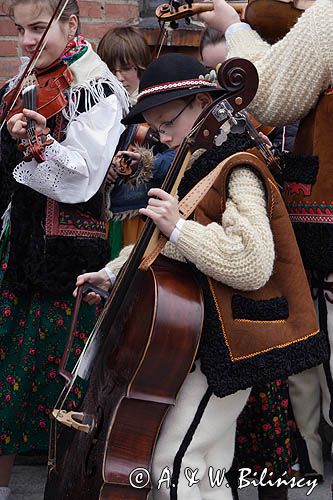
x=29 y=97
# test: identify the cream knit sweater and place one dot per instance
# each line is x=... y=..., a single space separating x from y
x=238 y=252
x=292 y=72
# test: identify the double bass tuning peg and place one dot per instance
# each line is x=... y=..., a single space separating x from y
x=174 y=25
x=175 y=4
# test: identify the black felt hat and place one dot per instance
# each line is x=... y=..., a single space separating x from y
x=170 y=77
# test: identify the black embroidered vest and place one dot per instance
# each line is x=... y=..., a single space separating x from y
x=308 y=191
x=50 y=242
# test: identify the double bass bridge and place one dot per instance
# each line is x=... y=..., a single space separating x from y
x=72 y=419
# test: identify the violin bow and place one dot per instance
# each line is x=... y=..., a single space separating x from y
x=62 y=4
x=161 y=37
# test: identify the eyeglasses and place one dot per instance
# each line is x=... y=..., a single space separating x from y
x=162 y=129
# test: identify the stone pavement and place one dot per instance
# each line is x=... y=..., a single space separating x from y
x=28 y=484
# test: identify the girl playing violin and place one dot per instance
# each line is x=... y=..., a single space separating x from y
x=53 y=226
x=231 y=242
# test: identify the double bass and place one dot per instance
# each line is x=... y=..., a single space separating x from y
x=141 y=349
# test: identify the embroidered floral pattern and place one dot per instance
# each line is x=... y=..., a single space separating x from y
x=33 y=335
x=264 y=430
x=62 y=220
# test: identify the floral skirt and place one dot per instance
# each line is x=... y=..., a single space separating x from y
x=264 y=431
x=33 y=334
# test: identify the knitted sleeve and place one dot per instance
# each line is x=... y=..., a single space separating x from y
x=240 y=252
x=292 y=72
x=116 y=264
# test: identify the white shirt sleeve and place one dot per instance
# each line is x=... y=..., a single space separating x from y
x=74 y=170
x=233 y=28
x=176 y=232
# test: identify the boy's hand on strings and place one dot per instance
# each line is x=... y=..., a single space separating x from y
x=163 y=210
x=99 y=279
x=221 y=17
x=17 y=124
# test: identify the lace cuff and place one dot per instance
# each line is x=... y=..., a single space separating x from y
x=47 y=177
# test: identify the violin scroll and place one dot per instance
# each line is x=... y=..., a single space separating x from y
x=173 y=11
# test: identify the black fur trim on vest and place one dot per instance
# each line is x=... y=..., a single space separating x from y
x=259 y=310
x=299 y=168
x=210 y=159
x=226 y=377
x=315 y=243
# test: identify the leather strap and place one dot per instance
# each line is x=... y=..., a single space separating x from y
x=187 y=206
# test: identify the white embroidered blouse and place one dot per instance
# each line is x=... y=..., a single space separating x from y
x=74 y=170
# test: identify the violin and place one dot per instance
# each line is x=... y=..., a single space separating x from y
x=171 y=12
x=43 y=91
x=39 y=90
x=139 y=134
x=272 y=19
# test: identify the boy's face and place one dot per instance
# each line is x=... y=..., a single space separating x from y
x=174 y=120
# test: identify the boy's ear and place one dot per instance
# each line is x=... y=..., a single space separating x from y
x=204 y=98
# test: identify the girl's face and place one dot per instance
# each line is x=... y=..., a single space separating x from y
x=128 y=76
x=31 y=19
x=174 y=120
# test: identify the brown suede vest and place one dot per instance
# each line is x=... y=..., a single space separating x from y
x=281 y=313
x=307 y=202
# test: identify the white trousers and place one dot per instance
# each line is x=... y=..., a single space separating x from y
x=212 y=444
x=306 y=390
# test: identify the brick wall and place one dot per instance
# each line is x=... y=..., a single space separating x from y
x=97 y=16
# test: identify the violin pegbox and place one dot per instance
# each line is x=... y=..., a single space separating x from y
x=175 y=11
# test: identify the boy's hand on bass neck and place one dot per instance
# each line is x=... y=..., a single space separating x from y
x=162 y=208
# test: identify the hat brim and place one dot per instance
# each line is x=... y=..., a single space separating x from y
x=154 y=100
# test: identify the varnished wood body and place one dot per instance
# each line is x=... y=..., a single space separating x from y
x=148 y=352
x=272 y=19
